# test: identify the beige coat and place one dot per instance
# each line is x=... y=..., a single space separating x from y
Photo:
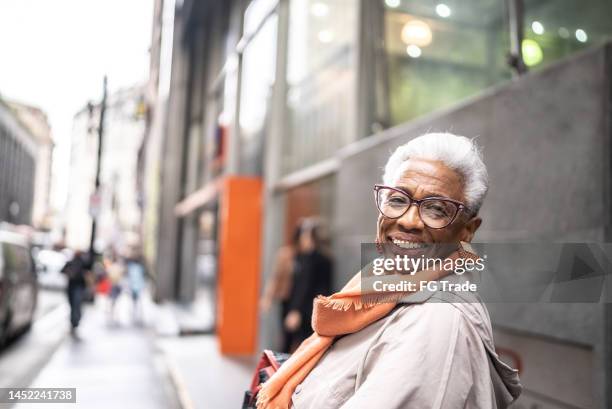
x=435 y=351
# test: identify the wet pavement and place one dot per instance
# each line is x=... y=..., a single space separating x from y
x=127 y=361
x=113 y=363
x=205 y=379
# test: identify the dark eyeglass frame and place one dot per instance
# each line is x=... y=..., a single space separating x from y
x=460 y=206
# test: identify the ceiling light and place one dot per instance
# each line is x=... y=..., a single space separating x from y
x=416 y=32
x=537 y=27
x=443 y=10
x=392 y=3
x=532 y=52
x=581 y=35
x=414 y=51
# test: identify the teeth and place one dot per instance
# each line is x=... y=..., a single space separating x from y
x=408 y=244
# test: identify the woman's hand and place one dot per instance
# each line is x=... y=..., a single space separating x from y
x=293 y=320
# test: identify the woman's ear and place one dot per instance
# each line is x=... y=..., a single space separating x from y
x=379 y=228
x=469 y=230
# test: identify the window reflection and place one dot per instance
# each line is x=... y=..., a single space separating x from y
x=558 y=28
x=440 y=53
x=258 y=68
x=321 y=79
x=257 y=79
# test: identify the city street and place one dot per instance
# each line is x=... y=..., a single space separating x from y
x=205 y=181
x=111 y=363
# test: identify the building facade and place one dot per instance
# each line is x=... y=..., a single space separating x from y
x=304 y=99
x=117 y=206
x=19 y=151
x=37 y=123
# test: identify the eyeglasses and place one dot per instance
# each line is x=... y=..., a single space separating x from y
x=435 y=212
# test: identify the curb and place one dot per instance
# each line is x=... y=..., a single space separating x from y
x=180 y=387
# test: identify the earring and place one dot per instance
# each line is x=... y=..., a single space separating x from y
x=379 y=248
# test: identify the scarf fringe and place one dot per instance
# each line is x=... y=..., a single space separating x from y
x=262 y=399
x=359 y=302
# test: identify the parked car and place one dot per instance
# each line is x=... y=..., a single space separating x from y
x=18 y=286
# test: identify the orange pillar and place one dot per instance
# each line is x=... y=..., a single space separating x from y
x=239 y=264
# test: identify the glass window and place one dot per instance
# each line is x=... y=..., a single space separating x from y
x=230 y=87
x=256 y=13
x=441 y=52
x=258 y=69
x=16 y=259
x=314 y=199
x=557 y=28
x=321 y=76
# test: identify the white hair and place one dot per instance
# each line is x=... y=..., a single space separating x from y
x=457 y=152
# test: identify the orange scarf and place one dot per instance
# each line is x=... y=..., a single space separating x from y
x=344 y=312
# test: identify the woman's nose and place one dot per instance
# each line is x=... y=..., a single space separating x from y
x=411 y=219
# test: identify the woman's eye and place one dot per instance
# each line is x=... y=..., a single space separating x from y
x=436 y=209
x=396 y=200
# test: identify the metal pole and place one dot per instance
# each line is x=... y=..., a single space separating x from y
x=516 y=17
x=98 y=166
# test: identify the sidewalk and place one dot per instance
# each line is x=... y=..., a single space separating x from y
x=204 y=379
x=123 y=364
x=112 y=365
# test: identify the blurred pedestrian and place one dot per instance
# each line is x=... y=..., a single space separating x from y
x=115 y=269
x=312 y=276
x=136 y=274
x=279 y=287
x=76 y=270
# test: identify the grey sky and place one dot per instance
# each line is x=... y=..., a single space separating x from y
x=54 y=54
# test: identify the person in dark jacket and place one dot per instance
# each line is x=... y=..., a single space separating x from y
x=76 y=270
x=312 y=276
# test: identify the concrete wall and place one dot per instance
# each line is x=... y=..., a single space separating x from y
x=546 y=144
x=173 y=131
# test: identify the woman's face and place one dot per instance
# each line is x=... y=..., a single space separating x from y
x=420 y=179
x=307 y=243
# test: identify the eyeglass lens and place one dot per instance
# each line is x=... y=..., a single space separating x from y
x=435 y=213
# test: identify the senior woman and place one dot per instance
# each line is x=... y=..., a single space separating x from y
x=431 y=349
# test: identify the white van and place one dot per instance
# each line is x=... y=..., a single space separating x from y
x=18 y=285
